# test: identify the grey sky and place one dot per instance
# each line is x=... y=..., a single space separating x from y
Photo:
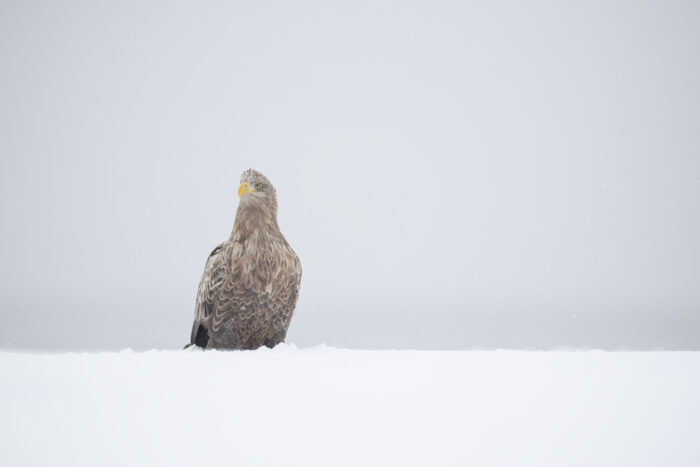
x=451 y=174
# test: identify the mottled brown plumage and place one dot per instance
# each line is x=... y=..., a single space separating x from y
x=251 y=281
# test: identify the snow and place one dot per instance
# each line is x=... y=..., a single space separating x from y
x=324 y=406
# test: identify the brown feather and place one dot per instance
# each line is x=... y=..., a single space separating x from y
x=250 y=283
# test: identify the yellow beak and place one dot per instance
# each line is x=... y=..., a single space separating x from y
x=244 y=188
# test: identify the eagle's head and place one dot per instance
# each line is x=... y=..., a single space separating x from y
x=256 y=191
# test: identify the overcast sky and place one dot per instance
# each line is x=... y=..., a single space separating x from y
x=451 y=174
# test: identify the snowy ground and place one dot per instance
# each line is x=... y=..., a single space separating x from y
x=329 y=407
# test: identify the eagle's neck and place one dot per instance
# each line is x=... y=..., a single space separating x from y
x=252 y=218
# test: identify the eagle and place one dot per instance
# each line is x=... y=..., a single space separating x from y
x=250 y=284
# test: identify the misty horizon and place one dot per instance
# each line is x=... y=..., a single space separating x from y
x=452 y=175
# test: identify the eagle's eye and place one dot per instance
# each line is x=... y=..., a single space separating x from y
x=257 y=185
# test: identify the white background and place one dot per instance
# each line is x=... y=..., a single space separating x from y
x=451 y=174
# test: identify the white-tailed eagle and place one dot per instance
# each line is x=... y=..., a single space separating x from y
x=251 y=281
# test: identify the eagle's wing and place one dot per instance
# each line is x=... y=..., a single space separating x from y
x=209 y=288
x=284 y=296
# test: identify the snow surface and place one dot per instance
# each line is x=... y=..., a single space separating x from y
x=324 y=406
